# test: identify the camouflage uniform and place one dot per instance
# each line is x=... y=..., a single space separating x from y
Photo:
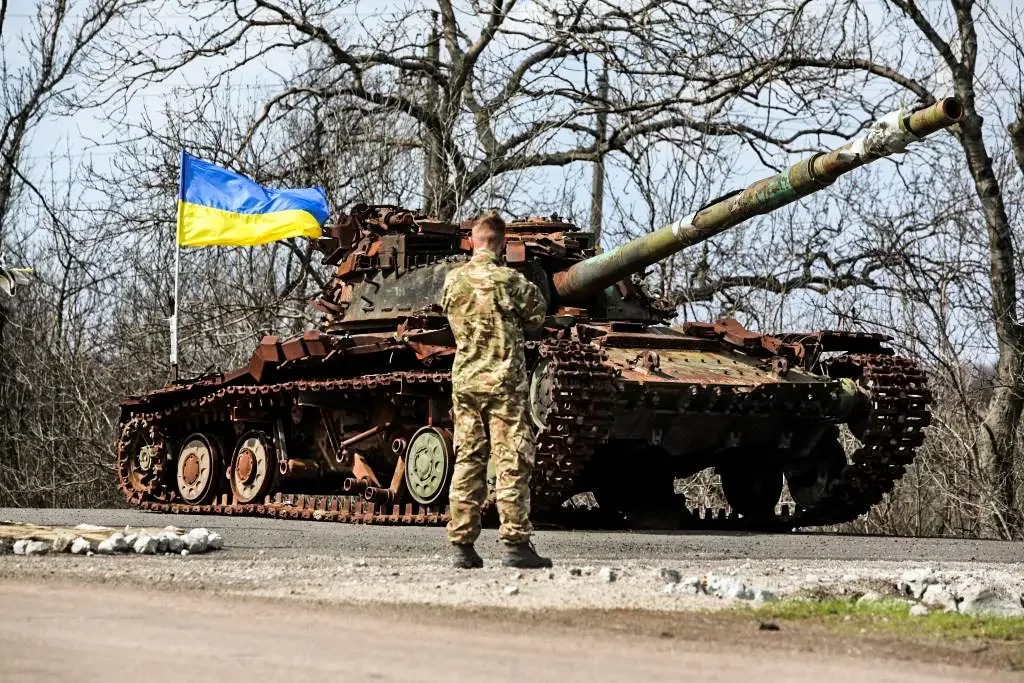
x=488 y=306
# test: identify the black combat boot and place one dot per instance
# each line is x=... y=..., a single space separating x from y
x=464 y=556
x=524 y=556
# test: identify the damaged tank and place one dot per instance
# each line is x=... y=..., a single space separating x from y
x=352 y=421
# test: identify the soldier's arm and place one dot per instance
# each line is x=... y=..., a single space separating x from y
x=445 y=292
x=532 y=306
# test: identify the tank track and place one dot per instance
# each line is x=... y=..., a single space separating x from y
x=577 y=421
x=892 y=431
x=214 y=406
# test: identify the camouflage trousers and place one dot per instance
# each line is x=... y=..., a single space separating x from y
x=491 y=426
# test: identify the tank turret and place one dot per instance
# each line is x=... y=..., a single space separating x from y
x=886 y=136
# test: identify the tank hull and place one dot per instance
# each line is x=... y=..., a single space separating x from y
x=357 y=428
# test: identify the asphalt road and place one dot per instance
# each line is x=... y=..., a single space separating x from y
x=96 y=633
x=275 y=537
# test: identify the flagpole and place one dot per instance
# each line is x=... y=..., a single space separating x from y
x=174 y=314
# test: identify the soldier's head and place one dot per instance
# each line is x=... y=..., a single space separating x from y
x=489 y=232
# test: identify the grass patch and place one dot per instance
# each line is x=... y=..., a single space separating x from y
x=893 y=616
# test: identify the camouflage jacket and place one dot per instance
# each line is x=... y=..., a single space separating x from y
x=488 y=306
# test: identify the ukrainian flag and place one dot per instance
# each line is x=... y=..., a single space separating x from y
x=220 y=207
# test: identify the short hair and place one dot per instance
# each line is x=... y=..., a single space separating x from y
x=489 y=231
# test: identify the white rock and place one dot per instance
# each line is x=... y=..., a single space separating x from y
x=764 y=595
x=869 y=597
x=130 y=539
x=511 y=590
x=914 y=582
x=62 y=543
x=28 y=547
x=938 y=595
x=918 y=610
x=197 y=540
x=115 y=543
x=728 y=587
x=990 y=600
x=690 y=584
x=174 y=542
x=184 y=552
x=80 y=546
x=669 y=575
x=146 y=545
x=608 y=575
x=215 y=540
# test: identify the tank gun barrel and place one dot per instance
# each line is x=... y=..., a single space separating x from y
x=888 y=135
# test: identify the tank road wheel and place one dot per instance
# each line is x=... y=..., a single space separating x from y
x=809 y=480
x=141 y=460
x=542 y=394
x=752 y=490
x=253 y=467
x=198 y=469
x=429 y=463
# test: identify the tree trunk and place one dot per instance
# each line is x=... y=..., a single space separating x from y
x=996 y=437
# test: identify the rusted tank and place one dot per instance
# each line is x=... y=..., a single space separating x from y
x=352 y=421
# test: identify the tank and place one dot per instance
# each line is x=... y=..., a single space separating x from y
x=352 y=422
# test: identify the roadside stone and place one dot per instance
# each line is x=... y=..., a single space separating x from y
x=174 y=542
x=80 y=546
x=184 y=552
x=764 y=595
x=869 y=598
x=918 y=610
x=215 y=540
x=990 y=601
x=197 y=540
x=61 y=544
x=130 y=539
x=161 y=544
x=727 y=587
x=115 y=543
x=938 y=595
x=669 y=575
x=914 y=582
x=28 y=547
x=511 y=590
x=608 y=575
x=146 y=545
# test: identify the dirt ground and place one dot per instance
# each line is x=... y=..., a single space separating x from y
x=59 y=630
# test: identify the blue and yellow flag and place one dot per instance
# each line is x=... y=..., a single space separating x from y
x=220 y=207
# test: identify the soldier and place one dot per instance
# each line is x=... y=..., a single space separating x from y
x=488 y=306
